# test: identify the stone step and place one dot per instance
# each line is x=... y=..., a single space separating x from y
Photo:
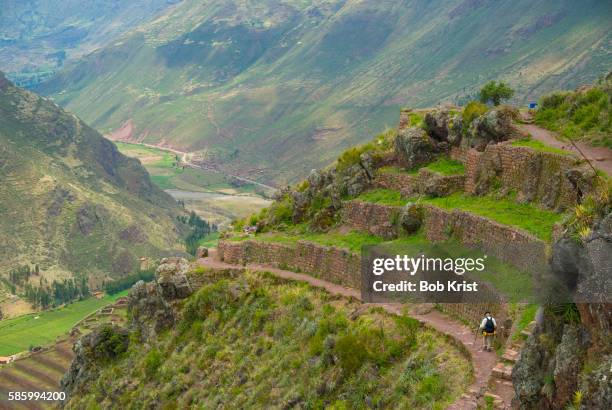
x=502 y=371
x=510 y=355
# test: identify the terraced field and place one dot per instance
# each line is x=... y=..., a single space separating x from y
x=38 y=372
x=42 y=371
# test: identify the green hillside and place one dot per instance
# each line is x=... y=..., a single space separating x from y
x=273 y=89
x=69 y=201
x=258 y=342
x=38 y=36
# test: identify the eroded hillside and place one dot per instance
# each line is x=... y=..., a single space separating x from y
x=70 y=202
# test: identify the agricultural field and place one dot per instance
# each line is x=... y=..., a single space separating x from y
x=38 y=372
x=42 y=371
x=211 y=195
x=43 y=328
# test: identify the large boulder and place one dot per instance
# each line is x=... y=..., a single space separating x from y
x=414 y=147
x=492 y=127
x=436 y=124
x=411 y=218
x=91 y=352
x=569 y=358
x=172 y=279
x=150 y=305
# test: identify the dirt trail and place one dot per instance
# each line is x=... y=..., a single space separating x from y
x=483 y=362
x=600 y=157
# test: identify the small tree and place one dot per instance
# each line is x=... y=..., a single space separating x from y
x=495 y=92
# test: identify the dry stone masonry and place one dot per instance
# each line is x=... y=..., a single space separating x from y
x=332 y=264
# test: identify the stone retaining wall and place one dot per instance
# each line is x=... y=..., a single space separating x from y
x=332 y=264
x=506 y=243
x=426 y=182
x=535 y=176
x=369 y=217
x=402 y=182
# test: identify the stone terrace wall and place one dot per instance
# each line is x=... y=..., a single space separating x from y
x=506 y=243
x=425 y=182
x=534 y=175
x=335 y=265
x=404 y=183
x=369 y=217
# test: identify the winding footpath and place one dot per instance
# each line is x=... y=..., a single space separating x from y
x=599 y=157
x=482 y=362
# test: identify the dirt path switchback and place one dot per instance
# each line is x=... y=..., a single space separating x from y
x=483 y=362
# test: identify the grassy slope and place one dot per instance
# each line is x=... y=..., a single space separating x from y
x=274 y=344
x=585 y=116
x=70 y=202
x=18 y=334
x=286 y=88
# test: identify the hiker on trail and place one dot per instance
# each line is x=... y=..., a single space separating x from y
x=488 y=326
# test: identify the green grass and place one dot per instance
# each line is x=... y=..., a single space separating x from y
x=209 y=241
x=352 y=241
x=166 y=160
x=19 y=333
x=510 y=281
x=446 y=166
x=533 y=219
x=394 y=170
x=515 y=284
x=442 y=165
x=416 y=119
x=383 y=196
x=538 y=146
x=527 y=315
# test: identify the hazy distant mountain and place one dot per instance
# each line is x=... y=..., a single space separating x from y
x=273 y=88
x=69 y=201
x=37 y=36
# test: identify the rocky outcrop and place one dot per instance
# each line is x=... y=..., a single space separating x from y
x=411 y=218
x=492 y=127
x=150 y=305
x=570 y=349
x=414 y=147
x=436 y=124
x=93 y=351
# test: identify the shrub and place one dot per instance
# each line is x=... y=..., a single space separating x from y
x=111 y=343
x=473 y=110
x=152 y=362
x=281 y=211
x=352 y=156
x=351 y=352
x=494 y=92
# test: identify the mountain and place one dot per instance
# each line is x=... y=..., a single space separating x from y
x=69 y=201
x=272 y=89
x=38 y=36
